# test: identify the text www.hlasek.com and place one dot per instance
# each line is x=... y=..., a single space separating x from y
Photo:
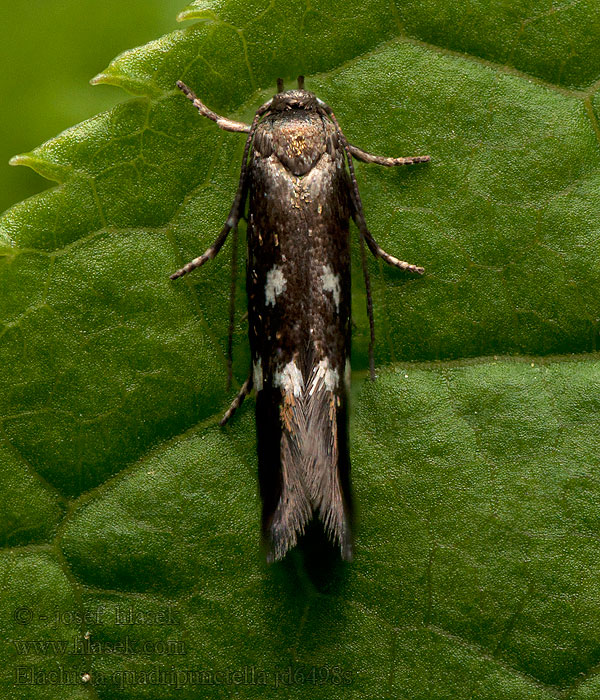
x=87 y=647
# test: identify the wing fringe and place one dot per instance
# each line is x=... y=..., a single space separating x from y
x=312 y=458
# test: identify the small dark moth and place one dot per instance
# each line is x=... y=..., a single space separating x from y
x=301 y=198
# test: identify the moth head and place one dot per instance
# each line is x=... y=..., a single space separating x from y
x=293 y=99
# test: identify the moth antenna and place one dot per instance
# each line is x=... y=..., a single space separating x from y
x=355 y=193
x=280 y=85
x=356 y=196
x=242 y=188
x=234 y=270
x=236 y=207
x=367 y=278
x=234 y=218
x=300 y=82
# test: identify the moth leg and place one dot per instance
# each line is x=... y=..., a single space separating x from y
x=359 y=220
x=357 y=213
x=238 y=401
x=376 y=249
x=221 y=122
x=232 y=221
x=359 y=154
x=232 y=307
x=238 y=203
x=234 y=213
x=209 y=253
x=366 y=277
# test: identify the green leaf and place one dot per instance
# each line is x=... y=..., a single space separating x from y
x=52 y=54
x=474 y=454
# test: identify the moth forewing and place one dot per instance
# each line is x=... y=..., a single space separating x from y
x=298 y=177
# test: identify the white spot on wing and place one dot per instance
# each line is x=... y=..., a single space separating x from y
x=323 y=377
x=275 y=285
x=257 y=375
x=289 y=379
x=331 y=283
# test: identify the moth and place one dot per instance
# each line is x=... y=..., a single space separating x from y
x=298 y=177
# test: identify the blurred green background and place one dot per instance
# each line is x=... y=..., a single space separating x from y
x=49 y=50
